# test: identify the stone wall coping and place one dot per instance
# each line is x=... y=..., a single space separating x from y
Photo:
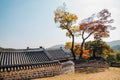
x=30 y=64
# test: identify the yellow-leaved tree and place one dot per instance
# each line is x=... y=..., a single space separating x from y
x=77 y=50
x=66 y=21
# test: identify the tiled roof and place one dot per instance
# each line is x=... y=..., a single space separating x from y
x=58 y=54
x=17 y=57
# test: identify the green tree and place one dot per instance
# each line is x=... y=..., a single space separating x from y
x=111 y=58
x=98 y=47
x=118 y=55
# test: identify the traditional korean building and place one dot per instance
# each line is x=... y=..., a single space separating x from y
x=22 y=64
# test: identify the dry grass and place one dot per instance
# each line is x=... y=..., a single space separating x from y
x=89 y=74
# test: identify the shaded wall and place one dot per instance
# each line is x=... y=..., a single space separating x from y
x=37 y=71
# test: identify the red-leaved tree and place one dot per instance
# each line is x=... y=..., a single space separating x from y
x=97 y=25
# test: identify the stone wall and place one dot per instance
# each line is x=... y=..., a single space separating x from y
x=115 y=64
x=39 y=71
x=68 y=67
x=97 y=64
x=29 y=73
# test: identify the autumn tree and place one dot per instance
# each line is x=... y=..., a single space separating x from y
x=66 y=20
x=97 y=24
x=76 y=50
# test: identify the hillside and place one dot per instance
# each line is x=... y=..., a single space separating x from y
x=114 y=44
x=116 y=47
x=1 y=48
x=56 y=46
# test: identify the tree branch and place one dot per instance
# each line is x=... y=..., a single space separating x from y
x=89 y=35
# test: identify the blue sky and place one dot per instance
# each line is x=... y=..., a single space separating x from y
x=31 y=22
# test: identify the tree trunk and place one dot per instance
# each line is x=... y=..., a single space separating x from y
x=81 y=48
x=94 y=55
x=83 y=42
x=74 y=57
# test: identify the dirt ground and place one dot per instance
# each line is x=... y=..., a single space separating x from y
x=89 y=74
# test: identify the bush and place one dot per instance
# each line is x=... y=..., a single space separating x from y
x=118 y=56
x=111 y=58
